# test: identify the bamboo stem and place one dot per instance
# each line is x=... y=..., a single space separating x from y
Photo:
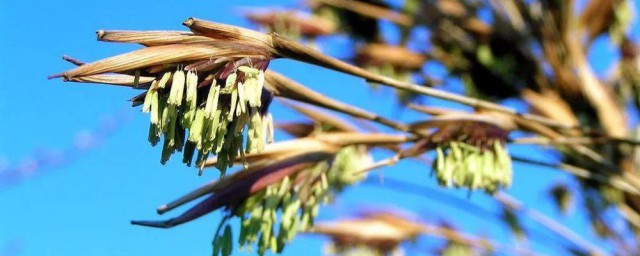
x=296 y=51
x=454 y=202
x=549 y=223
x=571 y=140
x=615 y=181
x=474 y=241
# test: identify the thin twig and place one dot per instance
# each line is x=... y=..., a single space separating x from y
x=614 y=181
x=471 y=240
x=287 y=88
x=382 y=163
x=548 y=222
x=631 y=215
x=571 y=140
x=454 y=202
x=516 y=205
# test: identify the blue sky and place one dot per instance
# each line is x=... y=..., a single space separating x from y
x=84 y=207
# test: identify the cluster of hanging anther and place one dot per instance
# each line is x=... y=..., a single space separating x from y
x=472 y=154
x=295 y=199
x=456 y=249
x=462 y=165
x=216 y=115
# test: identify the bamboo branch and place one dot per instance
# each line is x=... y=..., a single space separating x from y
x=614 y=181
x=296 y=51
x=516 y=205
x=549 y=223
x=474 y=241
x=454 y=202
x=571 y=140
x=287 y=88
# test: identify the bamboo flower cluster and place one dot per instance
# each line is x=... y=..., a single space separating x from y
x=462 y=165
x=470 y=148
x=204 y=91
x=281 y=189
x=215 y=125
x=297 y=198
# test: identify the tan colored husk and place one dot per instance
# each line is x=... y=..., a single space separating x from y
x=164 y=54
x=398 y=56
x=297 y=146
x=308 y=25
x=229 y=33
x=478 y=27
x=363 y=231
x=383 y=233
x=152 y=38
x=114 y=79
x=304 y=157
x=458 y=118
x=324 y=142
x=353 y=138
x=597 y=16
x=550 y=104
x=452 y=8
x=610 y=115
x=300 y=157
x=505 y=121
x=368 y=10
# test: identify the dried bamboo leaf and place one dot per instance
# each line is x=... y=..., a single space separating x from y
x=285 y=148
x=220 y=184
x=152 y=38
x=310 y=26
x=369 y=10
x=163 y=54
x=363 y=231
x=114 y=79
x=232 y=194
x=550 y=104
x=457 y=118
x=597 y=17
x=229 y=33
x=378 y=54
x=610 y=114
x=352 y=138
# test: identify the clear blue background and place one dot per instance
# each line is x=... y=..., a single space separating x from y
x=83 y=206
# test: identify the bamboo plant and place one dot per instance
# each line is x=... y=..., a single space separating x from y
x=208 y=89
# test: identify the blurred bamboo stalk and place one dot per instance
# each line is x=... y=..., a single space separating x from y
x=368 y=10
x=549 y=223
